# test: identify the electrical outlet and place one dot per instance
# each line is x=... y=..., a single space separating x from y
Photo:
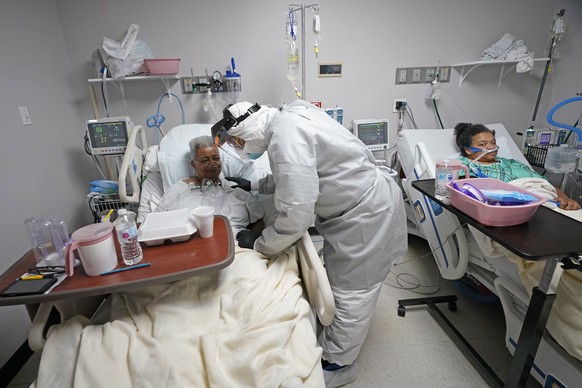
x=416 y=75
x=187 y=85
x=24 y=115
x=397 y=103
x=401 y=76
x=444 y=74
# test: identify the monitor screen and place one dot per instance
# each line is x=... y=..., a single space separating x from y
x=545 y=138
x=108 y=136
x=373 y=133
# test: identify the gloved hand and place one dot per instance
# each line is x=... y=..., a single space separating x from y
x=241 y=183
x=246 y=238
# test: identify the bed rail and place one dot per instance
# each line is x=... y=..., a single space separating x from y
x=315 y=281
x=443 y=231
x=131 y=166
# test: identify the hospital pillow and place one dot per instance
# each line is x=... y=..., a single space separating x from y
x=151 y=159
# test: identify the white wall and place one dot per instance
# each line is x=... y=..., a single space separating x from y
x=44 y=169
x=371 y=38
x=45 y=63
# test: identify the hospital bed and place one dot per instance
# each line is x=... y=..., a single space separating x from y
x=457 y=251
x=252 y=324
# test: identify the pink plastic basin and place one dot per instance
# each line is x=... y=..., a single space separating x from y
x=162 y=66
x=491 y=215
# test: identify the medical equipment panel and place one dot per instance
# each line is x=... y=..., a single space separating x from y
x=373 y=133
x=108 y=136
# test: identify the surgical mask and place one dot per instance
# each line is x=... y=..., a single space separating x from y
x=254 y=155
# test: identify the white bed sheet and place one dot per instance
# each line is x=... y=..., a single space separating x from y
x=246 y=325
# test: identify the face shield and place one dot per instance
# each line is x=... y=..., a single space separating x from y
x=223 y=139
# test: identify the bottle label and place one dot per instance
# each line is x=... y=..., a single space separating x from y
x=129 y=233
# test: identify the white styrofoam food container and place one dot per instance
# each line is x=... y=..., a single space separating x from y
x=175 y=225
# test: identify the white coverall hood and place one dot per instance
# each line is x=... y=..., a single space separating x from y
x=253 y=130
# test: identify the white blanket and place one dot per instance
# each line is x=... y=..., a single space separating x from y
x=244 y=326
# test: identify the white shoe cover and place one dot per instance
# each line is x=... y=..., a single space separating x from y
x=341 y=377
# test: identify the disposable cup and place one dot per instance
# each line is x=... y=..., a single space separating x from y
x=204 y=219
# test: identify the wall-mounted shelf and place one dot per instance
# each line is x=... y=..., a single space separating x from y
x=473 y=65
x=118 y=82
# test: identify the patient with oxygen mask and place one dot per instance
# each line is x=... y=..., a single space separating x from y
x=479 y=152
x=208 y=187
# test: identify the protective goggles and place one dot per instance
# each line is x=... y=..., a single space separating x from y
x=220 y=129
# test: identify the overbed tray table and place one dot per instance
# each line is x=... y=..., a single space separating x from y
x=169 y=262
x=548 y=236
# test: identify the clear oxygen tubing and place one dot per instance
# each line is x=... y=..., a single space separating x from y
x=156 y=120
x=473 y=164
x=550 y=119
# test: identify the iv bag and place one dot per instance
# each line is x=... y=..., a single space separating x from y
x=292 y=63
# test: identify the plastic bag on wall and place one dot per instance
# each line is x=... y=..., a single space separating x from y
x=125 y=57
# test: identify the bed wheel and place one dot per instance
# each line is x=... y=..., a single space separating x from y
x=453 y=306
x=401 y=311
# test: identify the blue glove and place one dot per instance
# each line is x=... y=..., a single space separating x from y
x=240 y=182
x=247 y=238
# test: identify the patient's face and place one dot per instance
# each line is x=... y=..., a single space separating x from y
x=484 y=140
x=207 y=163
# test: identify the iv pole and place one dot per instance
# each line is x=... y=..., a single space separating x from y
x=546 y=70
x=301 y=7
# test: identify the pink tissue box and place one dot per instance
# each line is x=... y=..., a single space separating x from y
x=162 y=66
x=491 y=215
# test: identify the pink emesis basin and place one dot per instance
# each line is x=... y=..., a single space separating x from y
x=492 y=215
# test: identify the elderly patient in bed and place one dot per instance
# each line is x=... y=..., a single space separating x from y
x=208 y=187
x=246 y=325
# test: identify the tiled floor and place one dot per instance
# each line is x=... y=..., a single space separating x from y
x=413 y=351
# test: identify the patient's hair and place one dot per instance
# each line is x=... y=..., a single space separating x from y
x=464 y=133
x=200 y=142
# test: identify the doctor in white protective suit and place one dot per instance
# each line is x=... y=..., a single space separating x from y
x=319 y=168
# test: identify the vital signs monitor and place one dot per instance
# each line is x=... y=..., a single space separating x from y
x=108 y=136
x=373 y=133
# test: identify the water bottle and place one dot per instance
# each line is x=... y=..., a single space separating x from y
x=443 y=175
x=127 y=236
x=447 y=170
